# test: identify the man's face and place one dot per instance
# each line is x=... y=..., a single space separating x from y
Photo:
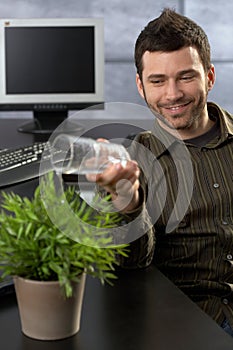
x=175 y=85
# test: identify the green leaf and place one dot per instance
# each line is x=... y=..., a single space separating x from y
x=33 y=247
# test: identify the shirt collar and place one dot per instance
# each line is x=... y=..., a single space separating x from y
x=164 y=140
x=167 y=141
x=225 y=119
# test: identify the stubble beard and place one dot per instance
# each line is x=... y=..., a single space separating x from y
x=195 y=113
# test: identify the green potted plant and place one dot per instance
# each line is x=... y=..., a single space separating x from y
x=39 y=254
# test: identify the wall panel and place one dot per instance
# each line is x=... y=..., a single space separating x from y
x=123 y=22
x=215 y=17
x=120 y=83
x=222 y=91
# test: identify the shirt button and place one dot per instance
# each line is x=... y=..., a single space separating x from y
x=224 y=222
x=225 y=301
x=216 y=185
x=229 y=257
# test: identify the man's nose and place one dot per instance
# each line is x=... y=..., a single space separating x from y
x=173 y=91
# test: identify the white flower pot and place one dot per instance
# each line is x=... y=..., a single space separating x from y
x=45 y=313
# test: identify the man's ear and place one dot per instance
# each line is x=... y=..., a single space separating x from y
x=139 y=86
x=211 y=76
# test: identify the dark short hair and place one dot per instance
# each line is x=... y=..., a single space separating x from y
x=169 y=32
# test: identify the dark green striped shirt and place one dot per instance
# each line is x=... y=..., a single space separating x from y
x=188 y=198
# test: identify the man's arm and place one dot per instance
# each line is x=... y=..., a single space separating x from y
x=128 y=197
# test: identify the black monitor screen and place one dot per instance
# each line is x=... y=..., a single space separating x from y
x=47 y=60
x=50 y=66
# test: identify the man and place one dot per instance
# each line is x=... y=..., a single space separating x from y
x=192 y=245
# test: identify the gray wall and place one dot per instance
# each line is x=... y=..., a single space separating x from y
x=123 y=22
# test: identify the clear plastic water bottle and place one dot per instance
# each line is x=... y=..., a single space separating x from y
x=80 y=155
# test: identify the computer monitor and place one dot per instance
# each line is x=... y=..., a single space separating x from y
x=51 y=66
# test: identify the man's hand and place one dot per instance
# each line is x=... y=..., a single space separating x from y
x=122 y=182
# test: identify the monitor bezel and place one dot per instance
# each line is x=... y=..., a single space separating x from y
x=59 y=101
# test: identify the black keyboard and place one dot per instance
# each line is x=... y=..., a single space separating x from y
x=21 y=164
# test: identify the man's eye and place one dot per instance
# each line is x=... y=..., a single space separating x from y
x=156 y=82
x=187 y=77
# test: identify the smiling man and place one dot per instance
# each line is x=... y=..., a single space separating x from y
x=193 y=244
x=177 y=91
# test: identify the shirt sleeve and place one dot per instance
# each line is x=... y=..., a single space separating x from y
x=140 y=237
x=136 y=228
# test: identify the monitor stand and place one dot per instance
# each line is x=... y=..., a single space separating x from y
x=46 y=122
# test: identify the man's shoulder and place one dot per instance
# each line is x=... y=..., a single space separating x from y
x=225 y=117
x=216 y=109
x=153 y=140
x=143 y=135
